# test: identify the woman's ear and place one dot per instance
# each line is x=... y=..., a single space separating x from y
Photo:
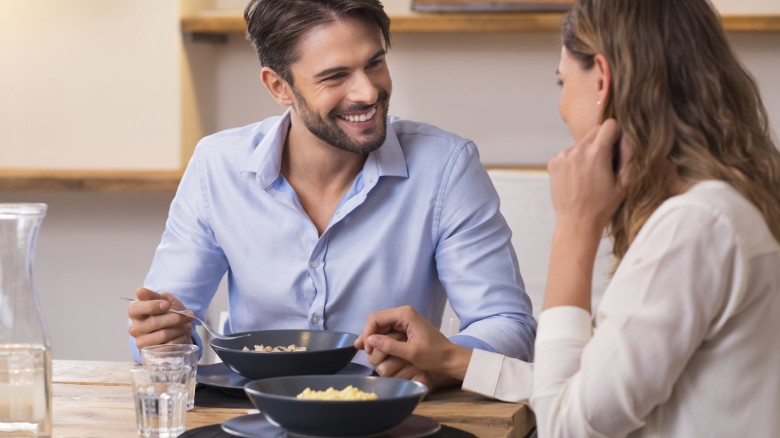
x=604 y=76
x=276 y=85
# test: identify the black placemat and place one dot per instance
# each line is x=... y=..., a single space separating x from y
x=210 y=431
x=210 y=397
x=215 y=431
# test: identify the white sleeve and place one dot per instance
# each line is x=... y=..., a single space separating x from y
x=655 y=314
x=497 y=376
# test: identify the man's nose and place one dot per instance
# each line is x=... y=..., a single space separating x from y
x=362 y=89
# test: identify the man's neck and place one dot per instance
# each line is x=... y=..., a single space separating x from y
x=320 y=174
x=316 y=164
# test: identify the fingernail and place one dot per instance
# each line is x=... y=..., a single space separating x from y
x=373 y=340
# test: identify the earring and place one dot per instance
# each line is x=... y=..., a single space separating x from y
x=598 y=103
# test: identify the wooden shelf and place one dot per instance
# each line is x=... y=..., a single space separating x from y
x=89 y=180
x=221 y=22
x=217 y=24
x=128 y=181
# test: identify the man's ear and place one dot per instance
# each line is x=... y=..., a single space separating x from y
x=604 y=76
x=280 y=90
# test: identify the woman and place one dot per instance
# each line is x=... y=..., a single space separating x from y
x=685 y=339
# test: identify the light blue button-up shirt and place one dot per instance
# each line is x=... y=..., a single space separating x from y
x=420 y=224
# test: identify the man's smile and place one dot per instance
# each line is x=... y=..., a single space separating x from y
x=359 y=117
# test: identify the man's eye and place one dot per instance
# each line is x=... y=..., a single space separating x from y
x=335 y=77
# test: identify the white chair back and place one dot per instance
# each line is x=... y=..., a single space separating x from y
x=527 y=208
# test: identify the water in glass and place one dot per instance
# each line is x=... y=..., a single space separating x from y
x=25 y=351
x=160 y=410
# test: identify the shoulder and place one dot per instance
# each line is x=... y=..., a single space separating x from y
x=413 y=133
x=430 y=144
x=715 y=210
x=239 y=141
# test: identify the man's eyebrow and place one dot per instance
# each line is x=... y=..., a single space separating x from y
x=329 y=71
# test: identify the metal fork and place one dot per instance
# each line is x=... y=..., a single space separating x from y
x=211 y=331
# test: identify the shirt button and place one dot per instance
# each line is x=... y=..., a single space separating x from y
x=315 y=319
x=315 y=264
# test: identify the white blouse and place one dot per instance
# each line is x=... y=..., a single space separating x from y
x=687 y=336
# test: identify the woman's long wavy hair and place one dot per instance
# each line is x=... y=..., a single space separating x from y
x=680 y=96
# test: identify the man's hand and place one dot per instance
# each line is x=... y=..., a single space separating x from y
x=390 y=366
x=151 y=324
x=411 y=343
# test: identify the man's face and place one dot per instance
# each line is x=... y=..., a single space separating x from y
x=342 y=85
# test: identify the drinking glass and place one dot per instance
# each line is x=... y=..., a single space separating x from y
x=175 y=355
x=25 y=350
x=160 y=395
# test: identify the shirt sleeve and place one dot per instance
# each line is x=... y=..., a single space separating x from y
x=476 y=262
x=655 y=314
x=497 y=376
x=188 y=263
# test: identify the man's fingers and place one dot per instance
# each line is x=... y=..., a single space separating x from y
x=174 y=302
x=183 y=339
x=144 y=309
x=382 y=322
x=401 y=369
x=423 y=377
x=375 y=357
x=147 y=303
x=144 y=294
x=373 y=326
x=165 y=336
x=152 y=323
x=390 y=367
x=391 y=347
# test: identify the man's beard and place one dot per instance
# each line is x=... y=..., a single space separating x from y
x=329 y=132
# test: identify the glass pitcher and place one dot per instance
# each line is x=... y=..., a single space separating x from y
x=25 y=351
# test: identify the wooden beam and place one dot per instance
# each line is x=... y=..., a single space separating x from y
x=222 y=22
x=90 y=180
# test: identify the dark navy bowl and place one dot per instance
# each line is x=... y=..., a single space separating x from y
x=276 y=398
x=327 y=352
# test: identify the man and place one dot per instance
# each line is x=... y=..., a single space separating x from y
x=335 y=210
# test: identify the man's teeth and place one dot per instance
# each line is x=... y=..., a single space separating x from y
x=361 y=117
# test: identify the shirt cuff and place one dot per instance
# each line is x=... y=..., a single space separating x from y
x=471 y=342
x=564 y=322
x=483 y=372
x=500 y=377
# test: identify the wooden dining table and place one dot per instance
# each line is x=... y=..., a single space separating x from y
x=93 y=399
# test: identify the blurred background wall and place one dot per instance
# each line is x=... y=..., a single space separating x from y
x=99 y=84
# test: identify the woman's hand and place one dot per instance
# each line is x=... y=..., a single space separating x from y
x=585 y=194
x=403 y=334
x=584 y=187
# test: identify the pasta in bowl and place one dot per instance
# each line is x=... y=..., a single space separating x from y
x=276 y=353
x=278 y=399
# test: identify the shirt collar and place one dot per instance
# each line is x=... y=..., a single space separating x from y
x=266 y=160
